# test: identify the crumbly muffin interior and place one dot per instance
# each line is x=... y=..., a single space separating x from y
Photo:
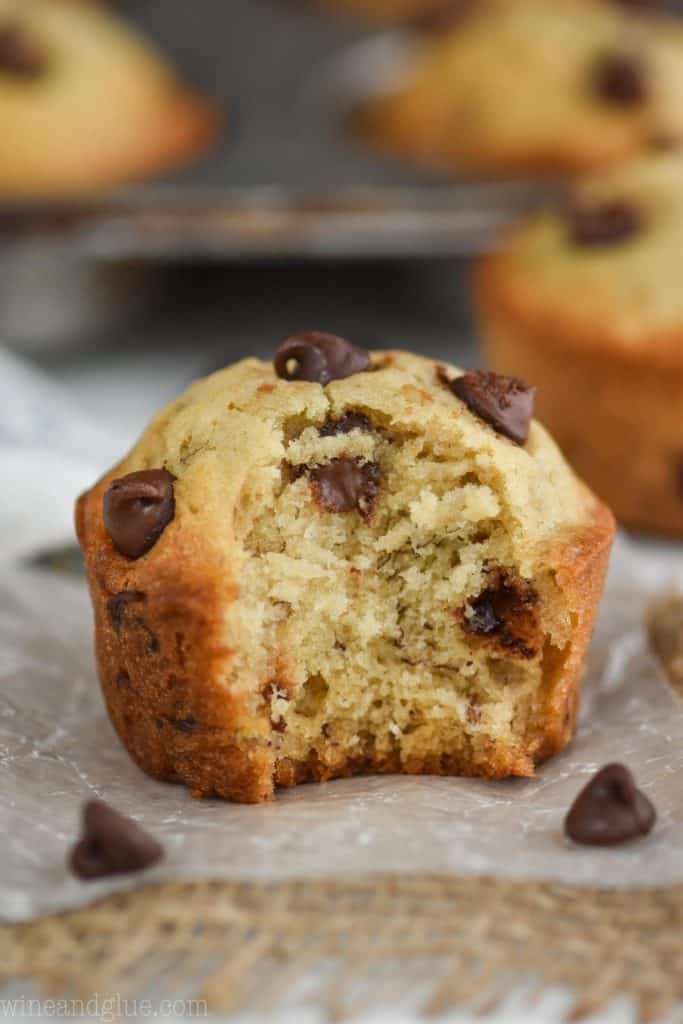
x=405 y=609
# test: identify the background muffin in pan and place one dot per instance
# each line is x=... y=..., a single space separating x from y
x=439 y=12
x=587 y=301
x=538 y=88
x=85 y=103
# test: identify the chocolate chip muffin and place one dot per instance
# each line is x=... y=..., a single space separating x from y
x=342 y=562
x=533 y=87
x=442 y=13
x=85 y=103
x=586 y=299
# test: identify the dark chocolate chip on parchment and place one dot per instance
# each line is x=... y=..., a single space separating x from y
x=318 y=357
x=137 y=509
x=610 y=810
x=505 y=403
x=111 y=844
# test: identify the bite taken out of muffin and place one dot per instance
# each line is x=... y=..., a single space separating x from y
x=342 y=562
x=585 y=299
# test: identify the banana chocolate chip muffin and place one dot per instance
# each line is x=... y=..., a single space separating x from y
x=440 y=13
x=85 y=103
x=533 y=86
x=586 y=299
x=342 y=562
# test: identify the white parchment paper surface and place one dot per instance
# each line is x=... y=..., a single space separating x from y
x=57 y=749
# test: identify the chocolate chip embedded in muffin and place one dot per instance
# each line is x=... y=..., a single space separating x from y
x=605 y=223
x=346 y=485
x=188 y=724
x=320 y=358
x=444 y=14
x=111 y=844
x=137 y=509
x=505 y=403
x=610 y=810
x=350 y=421
x=117 y=605
x=20 y=55
x=505 y=614
x=621 y=79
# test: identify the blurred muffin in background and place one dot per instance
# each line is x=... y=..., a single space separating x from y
x=533 y=87
x=85 y=103
x=438 y=13
x=587 y=302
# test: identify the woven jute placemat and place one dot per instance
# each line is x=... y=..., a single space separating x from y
x=361 y=943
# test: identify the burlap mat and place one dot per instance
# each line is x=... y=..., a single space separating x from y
x=361 y=943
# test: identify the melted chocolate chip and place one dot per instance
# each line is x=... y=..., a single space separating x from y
x=505 y=403
x=318 y=357
x=679 y=476
x=346 y=485
x=117 y=605
x=481 y=617
x=621 y=80
x=351 y=421
x=122 y=680
x=137 y=509
x=186 y=724
x=19 y=54
x=610 y=809
x=505 y=614
x=607 y=223
x=444 y=14
x=111 y=844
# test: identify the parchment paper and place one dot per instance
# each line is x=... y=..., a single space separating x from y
x=57 y=749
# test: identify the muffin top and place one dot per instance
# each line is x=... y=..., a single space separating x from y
x=85 y=101
x=227 y=439
x=603 y=269
x=535 y=85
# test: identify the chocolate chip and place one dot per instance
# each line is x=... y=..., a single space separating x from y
x=346 y=485
x=122 y=680
x=442 y=15
x=186 y=724
x=607 y=223
x=111 y=844
x=610 y=809
x=638 y=5
x=679 y=476
x=117 y=605
x=621 y=80
x=351 y=421
x=506 y=403
x=505 y=614
x=137 y=509
x=481 y=617
x=19 y=54
x=319 y=357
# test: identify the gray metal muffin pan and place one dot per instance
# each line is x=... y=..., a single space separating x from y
x=284 y=181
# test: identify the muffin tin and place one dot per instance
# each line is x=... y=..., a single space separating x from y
x=285 y=178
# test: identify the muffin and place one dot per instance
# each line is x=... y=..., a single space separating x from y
x=532 y=87
x=439 y=13
x=342 y=563
x=586 y=299
x=85 y=103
